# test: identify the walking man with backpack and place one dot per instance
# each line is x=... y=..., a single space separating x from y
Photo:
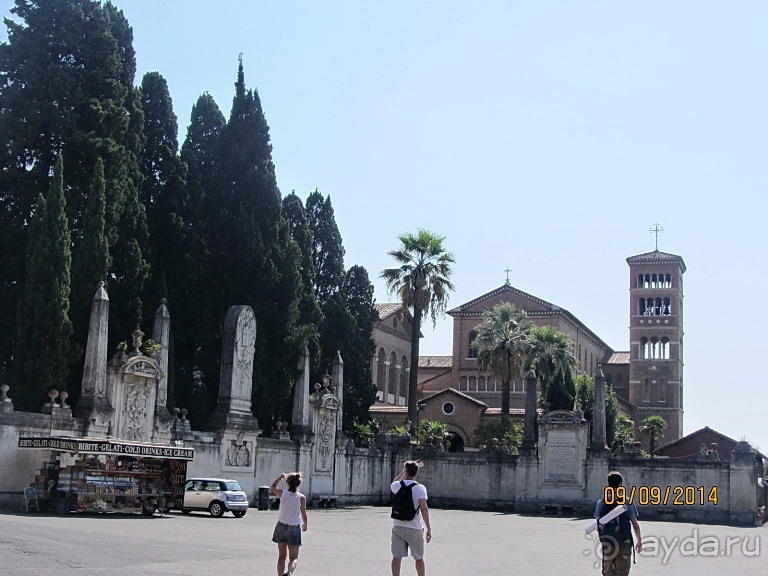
x=616 y=535
x=410 y=516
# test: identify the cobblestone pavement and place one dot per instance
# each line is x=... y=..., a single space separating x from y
x=355 y=541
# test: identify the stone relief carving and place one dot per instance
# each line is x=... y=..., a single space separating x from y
x=135 y=413
x=324 y=437
x=238 y=455
x=143 y=367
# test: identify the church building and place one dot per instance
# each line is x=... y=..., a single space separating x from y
x=647 y=378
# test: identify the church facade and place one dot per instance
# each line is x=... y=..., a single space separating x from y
x=647 y=378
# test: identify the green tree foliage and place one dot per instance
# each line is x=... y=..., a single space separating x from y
x=429 y=430
x=327 y=249
x=197 y=313
x=360 y=391
x=502 y=344
x=585 y=395
x=310 y=315
x=561 y=392
x=252 y=255
x=653 y=427
x=44 y=331
x=422 y=281
x=66 y=74
x=503 y=429
x=625 y=435
x=549 y=349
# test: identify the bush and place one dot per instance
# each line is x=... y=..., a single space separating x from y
x=504 y=429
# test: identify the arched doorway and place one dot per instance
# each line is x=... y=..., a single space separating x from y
x=457 y=442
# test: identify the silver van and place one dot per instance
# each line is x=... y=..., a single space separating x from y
x=216 y=495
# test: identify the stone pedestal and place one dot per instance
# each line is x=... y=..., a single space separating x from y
x=562 y=449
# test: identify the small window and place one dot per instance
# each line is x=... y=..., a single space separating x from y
x=448 y=408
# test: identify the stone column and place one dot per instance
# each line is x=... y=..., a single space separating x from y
x=161 y=334
x=93 y=404
x=337 y=379
x=529 y=431
x=233 y=411
x=598 y=413
x=161 y=330
x=300 y=424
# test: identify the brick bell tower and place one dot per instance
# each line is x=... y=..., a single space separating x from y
x=656 y=339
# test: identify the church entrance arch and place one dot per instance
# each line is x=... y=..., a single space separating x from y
x=456 y=442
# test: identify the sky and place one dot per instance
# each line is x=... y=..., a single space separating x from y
x=543 y=137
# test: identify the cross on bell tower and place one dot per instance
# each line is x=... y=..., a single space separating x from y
x=656 y=229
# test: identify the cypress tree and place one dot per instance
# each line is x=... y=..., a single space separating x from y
x=44 y=334
x=360 y=391
x=67 y=69
x=327 y=248
x=253 y=257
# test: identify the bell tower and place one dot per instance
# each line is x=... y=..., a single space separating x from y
x=656 y=339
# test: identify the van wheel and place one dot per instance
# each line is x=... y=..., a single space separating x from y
x=239 y=514
x=216 y=509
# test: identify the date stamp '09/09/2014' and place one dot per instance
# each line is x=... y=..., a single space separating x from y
x=661 y=495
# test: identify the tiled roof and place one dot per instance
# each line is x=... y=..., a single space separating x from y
x=455 y=392
x=387 y=308
x=618 y=358
x=388 y=408
x=512 y=411
x=657 y=257
x=499 y=290
x=435 y=361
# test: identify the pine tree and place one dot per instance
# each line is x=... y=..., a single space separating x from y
x=44 y=334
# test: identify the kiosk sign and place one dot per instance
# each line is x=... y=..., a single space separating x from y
x=96 y=446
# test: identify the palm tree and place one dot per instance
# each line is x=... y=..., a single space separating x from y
x=549 y=350
x=422 y=282
x=501 y=343
x=653 y=427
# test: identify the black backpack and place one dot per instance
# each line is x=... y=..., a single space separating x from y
x=618 y=531
x=402 y=503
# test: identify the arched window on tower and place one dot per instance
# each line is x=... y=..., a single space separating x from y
x=657 y=308
x=646 y=390
x=639 y=281
x=664 y=348
x=472 y=352
x=655 y=347
x=641 y=307
x=654 y=281
x=669 y=281
x=647 y=283
x=645 y=348
x=381 y=374
x=393 y=377
x=662 y=390
x=667 y=307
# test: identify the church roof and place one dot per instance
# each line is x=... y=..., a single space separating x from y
x=617 y=358
x=435 y=361
x=454 y=392
x=528 y=303
x=657 y=257
x=503 y=288
x=386 y=309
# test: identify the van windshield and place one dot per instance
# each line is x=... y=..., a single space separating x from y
x=233 y=487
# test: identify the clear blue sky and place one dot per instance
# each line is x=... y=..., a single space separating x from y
x=547 y=137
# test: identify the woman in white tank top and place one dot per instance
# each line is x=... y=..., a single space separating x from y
x=291 y=522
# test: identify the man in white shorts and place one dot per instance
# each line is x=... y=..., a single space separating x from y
x=409 y=534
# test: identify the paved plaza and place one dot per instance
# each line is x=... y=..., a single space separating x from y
x=354 y=541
